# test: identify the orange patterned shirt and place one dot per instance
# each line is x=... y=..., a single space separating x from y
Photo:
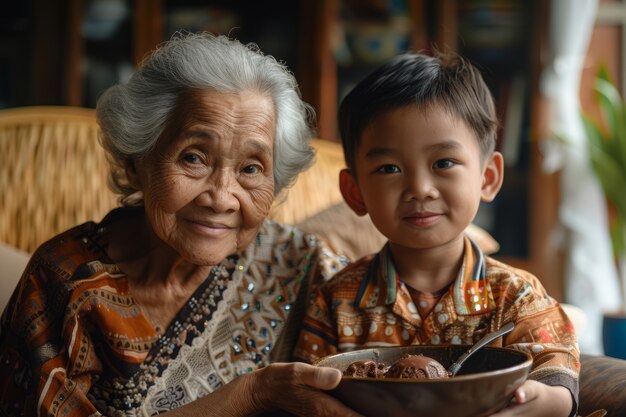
x=367 y=305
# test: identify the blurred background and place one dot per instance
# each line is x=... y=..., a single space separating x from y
x=539 y=59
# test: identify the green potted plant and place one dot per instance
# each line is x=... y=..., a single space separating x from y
x=606 y=140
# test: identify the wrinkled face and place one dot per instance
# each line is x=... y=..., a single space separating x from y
x=208 y=184
x=420 y=176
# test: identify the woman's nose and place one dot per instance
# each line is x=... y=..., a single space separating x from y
x=219 y=194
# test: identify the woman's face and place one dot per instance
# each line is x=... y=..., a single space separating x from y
x=209 y=184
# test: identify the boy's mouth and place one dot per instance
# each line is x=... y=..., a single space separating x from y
x=422 y=218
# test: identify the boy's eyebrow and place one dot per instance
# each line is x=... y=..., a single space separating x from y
x=447 y=145
x=374 y=152
x=441 y=146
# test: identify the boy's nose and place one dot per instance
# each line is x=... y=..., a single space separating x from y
x=420 y=188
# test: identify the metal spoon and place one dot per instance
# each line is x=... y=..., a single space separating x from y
x=454 y=368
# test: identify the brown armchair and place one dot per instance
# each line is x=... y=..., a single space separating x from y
x=602 y=386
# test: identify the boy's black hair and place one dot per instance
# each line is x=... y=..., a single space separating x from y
x=446 y=80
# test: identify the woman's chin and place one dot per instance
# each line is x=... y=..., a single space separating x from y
x=208 y=252
x=207 y=259
x=205 y=247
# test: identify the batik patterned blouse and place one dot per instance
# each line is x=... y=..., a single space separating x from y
x=73 y=342
x=367 y=305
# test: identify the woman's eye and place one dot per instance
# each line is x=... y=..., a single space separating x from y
x=443 y=164
x=388 y=169
x=191 y=158
x=252 y=169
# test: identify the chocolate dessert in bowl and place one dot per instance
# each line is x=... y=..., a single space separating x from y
x=413 y=380
x=410 y=366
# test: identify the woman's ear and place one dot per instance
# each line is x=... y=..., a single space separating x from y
x=351 y=193
x=493 y=175
x=130 y=169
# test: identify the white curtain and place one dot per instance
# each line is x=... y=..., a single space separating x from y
x=590 y=273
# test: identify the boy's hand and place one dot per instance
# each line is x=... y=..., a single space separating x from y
x=538 y=400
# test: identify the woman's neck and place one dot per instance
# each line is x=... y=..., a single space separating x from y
x=159 y=279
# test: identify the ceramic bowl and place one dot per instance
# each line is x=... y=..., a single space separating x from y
x=484 y=385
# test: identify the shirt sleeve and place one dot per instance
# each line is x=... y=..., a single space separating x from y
x=543 y=330
x=318 y=335
x=40 y=373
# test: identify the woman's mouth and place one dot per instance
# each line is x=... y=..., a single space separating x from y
x=209 y=229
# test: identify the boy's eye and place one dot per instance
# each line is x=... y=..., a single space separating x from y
x=443 y=164
x=388 y=169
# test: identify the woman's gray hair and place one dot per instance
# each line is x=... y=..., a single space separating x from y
x=132 y=116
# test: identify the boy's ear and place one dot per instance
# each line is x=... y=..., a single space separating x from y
x=493 y=175
x=351 y=193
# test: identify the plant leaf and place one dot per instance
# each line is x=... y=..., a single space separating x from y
x=607 y=152
x=618 y=237
x=611 y=177
x=614 y=111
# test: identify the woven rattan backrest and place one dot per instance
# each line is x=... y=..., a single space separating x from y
x=315 y=189
x=53 y=173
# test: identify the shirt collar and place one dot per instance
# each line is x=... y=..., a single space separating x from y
x=471 y=292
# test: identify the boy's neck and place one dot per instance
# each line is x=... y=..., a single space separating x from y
x=429 y=269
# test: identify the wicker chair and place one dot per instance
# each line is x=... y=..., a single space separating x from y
x=53 y=173
x=315 y=190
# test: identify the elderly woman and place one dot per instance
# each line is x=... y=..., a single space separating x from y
x=178 y=301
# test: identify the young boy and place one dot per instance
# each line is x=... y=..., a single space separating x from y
x=419 y=137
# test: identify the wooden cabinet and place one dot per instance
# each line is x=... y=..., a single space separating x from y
x=98 y=42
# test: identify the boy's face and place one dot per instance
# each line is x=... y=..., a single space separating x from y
x=420 y=176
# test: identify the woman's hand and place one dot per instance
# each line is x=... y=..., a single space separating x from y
x=295 y=388
x=298 y=389
x=539 y=400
